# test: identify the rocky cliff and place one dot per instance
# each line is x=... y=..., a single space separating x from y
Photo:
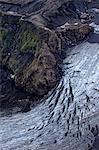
x=33 y=35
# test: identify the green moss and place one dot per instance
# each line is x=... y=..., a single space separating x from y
x=29 y=42
x=2 y=35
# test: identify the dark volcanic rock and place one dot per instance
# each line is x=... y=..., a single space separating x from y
x=32 y=36
x=9 y=93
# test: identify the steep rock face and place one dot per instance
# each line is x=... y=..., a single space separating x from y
x=31 y=41
x=25 y=51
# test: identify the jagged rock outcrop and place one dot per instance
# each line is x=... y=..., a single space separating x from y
x=32 y=36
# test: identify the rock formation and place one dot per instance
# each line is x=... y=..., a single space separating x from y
x=33 y=35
